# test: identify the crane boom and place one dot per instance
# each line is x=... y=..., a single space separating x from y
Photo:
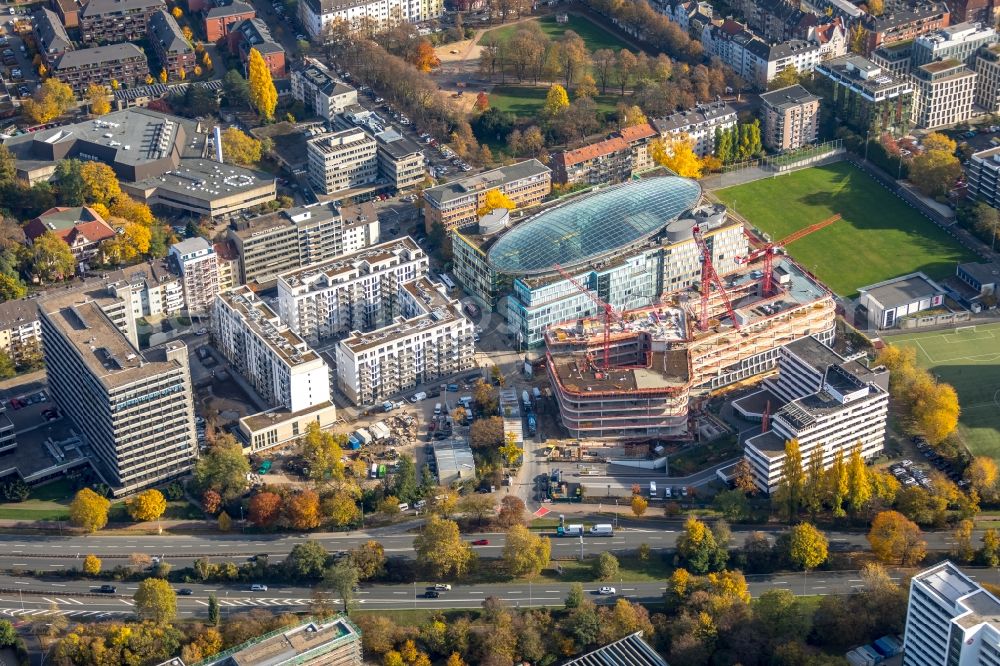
x=609 y=312
x=768 y=250
x=709 y=276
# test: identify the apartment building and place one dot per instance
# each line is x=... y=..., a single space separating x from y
x=124 y=63
x=956 y=42
x=987 y=68
x=983 y=176
x=134 y=410
x=315 y=86
x=698 y=125
x=427 y=339
x=82 y=228
x=824 y=401
x=173 y=51
x=865 y=96
x=220 y=19
x=20 y=330
x=455 y=204
x=317 y=15
x=227 y=260
x=199 y=270
x=950 y=619
x=68 y=12
x=351 y=292
x=114 y=21
x=755 y=60
x=342 y=160
x=791 y=118
x=607 y=161
x=276 y=362
x=943 y=92
x=902 y=21
x=51 y=36
x=271 y=244
x=253 y=35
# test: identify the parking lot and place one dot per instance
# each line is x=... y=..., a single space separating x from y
x=912 y=473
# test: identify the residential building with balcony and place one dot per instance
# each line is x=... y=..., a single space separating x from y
x=196 y=262
x=698 y=125
x=455 y=204
x=124 y=63
x=612 y=160
x=134 y=410
x=828 y=403
x=943 y=93
x=343 y=160
x=20 y=330
x=791 y=118
x=68 y=12
x=279 y=242
x=865 y=96
x=228 y=262
x=351 y=292
x=317 y=15
x=220 y=19
x=115 y=21
x=315 y=86
x=51 y=36
x=174 y=52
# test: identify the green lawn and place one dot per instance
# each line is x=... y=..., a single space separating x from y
x=878 y=238
x=593 y=35
x=969 y=361
x=527 y=101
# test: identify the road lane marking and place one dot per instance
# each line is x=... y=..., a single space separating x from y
x=19 y=564
x=126 y=602
x=57 y=585
x=203 y=603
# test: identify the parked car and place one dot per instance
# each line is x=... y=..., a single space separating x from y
x=605 y=589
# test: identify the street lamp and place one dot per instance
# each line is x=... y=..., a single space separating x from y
x=868 y=137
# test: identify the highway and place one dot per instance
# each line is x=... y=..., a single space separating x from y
x=45 y=553
x=24 y=598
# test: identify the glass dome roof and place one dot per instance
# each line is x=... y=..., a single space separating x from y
x=593 y=225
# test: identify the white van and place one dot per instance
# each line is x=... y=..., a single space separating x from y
x=403 y=506
x=437 y=409
x=417 y=397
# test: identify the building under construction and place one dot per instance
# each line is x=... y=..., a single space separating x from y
x=635 y=374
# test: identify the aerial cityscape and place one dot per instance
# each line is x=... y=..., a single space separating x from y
x=495 y=332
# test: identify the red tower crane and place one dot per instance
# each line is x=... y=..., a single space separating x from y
x=609 y=312
x=768 y=250
x=708 y=276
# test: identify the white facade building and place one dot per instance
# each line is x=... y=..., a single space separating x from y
x=950 y=619
x=271 y=357
x=199 y=270
x=822 y=400
x=942 y=93
x=698 y=125
x=315 y=86
x=353 y=292
x=342 y=160
x=317 y=15
x=428 y=339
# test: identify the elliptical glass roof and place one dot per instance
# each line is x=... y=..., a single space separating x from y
x=593 y=226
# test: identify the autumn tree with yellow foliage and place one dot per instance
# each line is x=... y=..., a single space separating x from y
x=97 y=99
x=100 y=183
x=240 y=148
x=263 y=94
x=495 y=199
x=89 y=510
x=931 y=407
x=147 y=505
x=130 y=242
x=676 y=154
x=51 y=100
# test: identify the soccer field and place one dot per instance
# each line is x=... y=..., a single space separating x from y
x=879 y=237
x=968 y=358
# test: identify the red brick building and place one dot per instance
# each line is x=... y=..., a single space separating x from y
x=253 y=34
x=171 y=48
x=219 y=21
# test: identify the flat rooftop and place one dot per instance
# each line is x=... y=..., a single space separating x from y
x=208 y=180
x=903 y=290
x=348 y=266
x=266 y=325
x=947 y=582
x=442 y=194
x=814 y=352
x=299 y=644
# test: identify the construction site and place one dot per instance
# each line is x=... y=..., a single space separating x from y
x=641 y=374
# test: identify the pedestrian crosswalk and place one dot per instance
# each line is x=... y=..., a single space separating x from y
x=264 y=602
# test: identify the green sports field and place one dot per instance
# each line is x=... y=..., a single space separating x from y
x=969 y=360
x=879 y=237
x=593 y=35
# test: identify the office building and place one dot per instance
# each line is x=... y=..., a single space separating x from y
x=791 y=118
x=342 y=160
x=20 y=329
x=317 y=15
x=158 y=158
x=454 y=205
x=315 y=86
x=350 y=292
x=697 y=125
x=400 y=161
x=220 y=19
x=82 y=228
x=332 y=642
x=895 y=58
x=175 y=54
x=942 y=93
x=51 y=36
x=885 y=304
x=196 y=262
x=115 y=21
x=950 y=619
x=278 y=242
x=276 y=362
x=902 y=21
x=987 y=68
x=253 y=34
x=956 y=42
x=826 y=402
x=428 y=338
x=124 y=63
x=865 y=96
x=134 y=410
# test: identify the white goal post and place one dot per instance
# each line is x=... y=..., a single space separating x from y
x=963 y=329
